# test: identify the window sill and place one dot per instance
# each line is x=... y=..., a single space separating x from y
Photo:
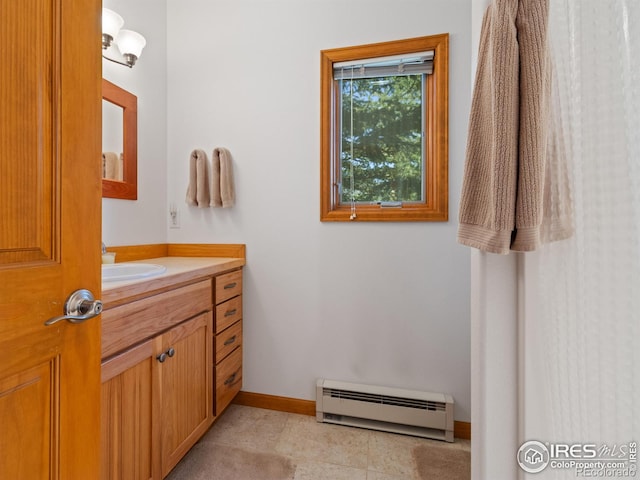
x=376 y=213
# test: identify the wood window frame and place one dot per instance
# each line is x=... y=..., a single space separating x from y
x=436 y=166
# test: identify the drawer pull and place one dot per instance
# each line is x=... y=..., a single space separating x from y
x=231 y=378
x=229 y=313
x=229 y=341
x=230 y=285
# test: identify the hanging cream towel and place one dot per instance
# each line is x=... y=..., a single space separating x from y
x=198 y=190
x=111 y=166
x=223 y=192
x=502 y=202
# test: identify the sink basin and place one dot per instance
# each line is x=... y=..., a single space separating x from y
x=130 y=271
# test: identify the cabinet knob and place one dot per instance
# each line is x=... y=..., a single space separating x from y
x=229 y=341
x=171 y=352
x=162 y=357
x=230 y=313
x=230 y=285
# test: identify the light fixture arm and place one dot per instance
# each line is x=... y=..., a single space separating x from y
x=130 y=65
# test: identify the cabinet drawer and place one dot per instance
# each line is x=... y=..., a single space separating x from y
x=136 y=321
x=228 y=286
x=228 y=313
x=228 y=341
x=228 y=379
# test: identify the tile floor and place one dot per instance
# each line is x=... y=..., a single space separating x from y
x=309 y=450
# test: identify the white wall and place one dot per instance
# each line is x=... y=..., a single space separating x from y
x=375 y=303
x=126 y=222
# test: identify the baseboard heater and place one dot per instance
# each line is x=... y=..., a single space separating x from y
x=409 y=412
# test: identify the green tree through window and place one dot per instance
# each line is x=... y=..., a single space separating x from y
x=387 y=139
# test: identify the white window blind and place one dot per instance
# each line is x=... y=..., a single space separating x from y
x=413 y=64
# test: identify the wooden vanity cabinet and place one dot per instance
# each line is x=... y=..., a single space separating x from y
x=156 y=395
x=228 y=338
x=172 y=362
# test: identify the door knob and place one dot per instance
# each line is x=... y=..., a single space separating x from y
x=80 y=306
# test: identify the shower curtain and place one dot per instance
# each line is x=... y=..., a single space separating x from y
x=556 y=333
x=581 y=300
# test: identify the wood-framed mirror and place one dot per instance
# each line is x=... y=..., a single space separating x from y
x=119 y=142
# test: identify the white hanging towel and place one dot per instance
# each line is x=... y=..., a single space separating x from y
x=198 y=190
x=223 y=192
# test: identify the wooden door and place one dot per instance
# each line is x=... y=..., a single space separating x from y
x=50 y=213
x=186 y=386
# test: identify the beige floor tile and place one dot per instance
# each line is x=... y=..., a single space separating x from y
x=325 y=471
x=304 y=438
x=247 y=427
x=462 y=444
x=392 y=454
x=207 y=461
x=371 y=475
x=445 y=462
x=248 y=443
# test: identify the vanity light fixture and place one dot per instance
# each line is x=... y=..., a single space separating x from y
x=129 y=43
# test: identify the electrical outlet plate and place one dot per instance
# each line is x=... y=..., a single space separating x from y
x=174 y=217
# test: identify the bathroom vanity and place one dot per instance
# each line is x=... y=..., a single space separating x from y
x=171 y=362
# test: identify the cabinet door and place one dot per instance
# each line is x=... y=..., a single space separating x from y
x=127 y=439
x=186 y=386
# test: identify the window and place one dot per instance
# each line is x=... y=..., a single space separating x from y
x=384 y=131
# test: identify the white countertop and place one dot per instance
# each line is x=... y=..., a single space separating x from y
x=179 y=270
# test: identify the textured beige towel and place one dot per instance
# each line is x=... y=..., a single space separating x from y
x=198 y=190
x=223 y=192
x=112 y=166
x=503 y=191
